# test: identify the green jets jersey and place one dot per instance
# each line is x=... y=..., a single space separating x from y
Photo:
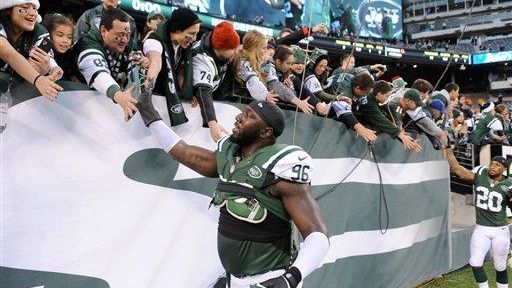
x=207 y=69
x=491 y=198
x=95 y=58
x=481 y=130
x=254 y=227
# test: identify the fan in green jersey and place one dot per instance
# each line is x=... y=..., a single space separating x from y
x=493 y=193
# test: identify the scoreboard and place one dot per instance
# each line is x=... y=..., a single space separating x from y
x=388 y=51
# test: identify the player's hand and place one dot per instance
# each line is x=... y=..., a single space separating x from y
x=126 y=101
x=145 y=106
x=40 y=60
x=367 y=134
x=272 y=97
x=290 y=279
x=47 y=87
x=321 y=108
x=216 y=130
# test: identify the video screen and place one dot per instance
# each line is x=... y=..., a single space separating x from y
x=376 y=18
x=492 y=57
x=270 y=13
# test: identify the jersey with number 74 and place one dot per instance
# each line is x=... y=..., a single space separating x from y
x=491 y=198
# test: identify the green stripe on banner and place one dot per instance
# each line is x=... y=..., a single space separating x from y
x=387 y=270
x=14 y=278
x=327 y=138
x=356 y=206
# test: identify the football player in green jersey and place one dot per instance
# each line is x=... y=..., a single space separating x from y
x=263 y=187
x=493 y=193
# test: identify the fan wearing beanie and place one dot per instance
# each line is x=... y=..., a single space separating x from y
x=168 y=50
x=438 y=108
x=210 y=59
x=92 y=17
x=19 y=33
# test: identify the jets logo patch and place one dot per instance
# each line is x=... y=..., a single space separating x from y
x=255 y=172
x=178 y=108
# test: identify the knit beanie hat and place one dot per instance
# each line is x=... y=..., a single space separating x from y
x=224 y=36
x=487 y=107
x=318 y=55
x=11 y=3
x=438 y=105
x=272 y=115
x=181 y=19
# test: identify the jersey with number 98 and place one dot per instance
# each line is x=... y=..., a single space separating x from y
x=491 y=198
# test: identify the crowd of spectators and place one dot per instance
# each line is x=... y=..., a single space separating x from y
x=104 y=52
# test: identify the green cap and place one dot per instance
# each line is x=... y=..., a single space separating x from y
x=398 y=82
x=299 y=54
x=317 y=54
x=414 y=95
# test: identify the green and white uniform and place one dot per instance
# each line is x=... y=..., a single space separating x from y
x=254 y=228
x=491 y=231
x=257 y=89
x=208 y=72
x=103 y=70
x=483 y=123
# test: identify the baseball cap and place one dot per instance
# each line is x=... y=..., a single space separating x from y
x=414 y=95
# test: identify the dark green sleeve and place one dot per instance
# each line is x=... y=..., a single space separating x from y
x=371 y=115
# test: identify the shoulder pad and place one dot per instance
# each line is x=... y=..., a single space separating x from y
x=291 y=163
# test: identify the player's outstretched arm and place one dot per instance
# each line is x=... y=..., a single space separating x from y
x=196 y=158
x=305 y=212
x=457 y=169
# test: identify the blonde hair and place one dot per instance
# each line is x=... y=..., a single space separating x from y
x=251 y=44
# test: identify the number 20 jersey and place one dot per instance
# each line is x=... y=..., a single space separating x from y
x=491 y=198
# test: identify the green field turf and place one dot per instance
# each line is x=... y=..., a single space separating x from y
x=463 y=278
